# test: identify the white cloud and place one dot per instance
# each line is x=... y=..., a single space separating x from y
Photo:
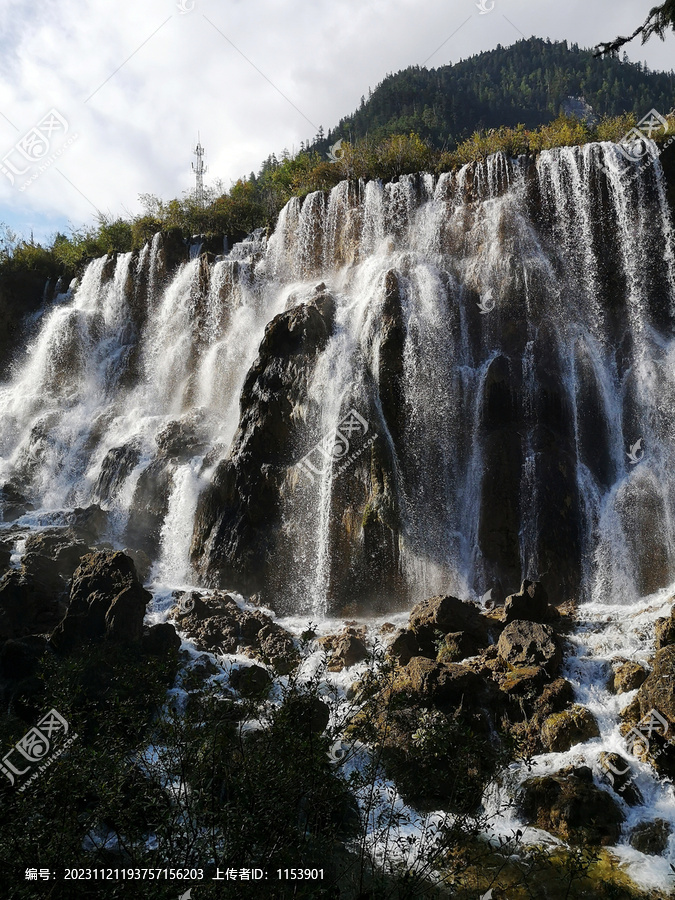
x=177 y=75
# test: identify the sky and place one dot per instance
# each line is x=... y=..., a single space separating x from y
x=106 y=98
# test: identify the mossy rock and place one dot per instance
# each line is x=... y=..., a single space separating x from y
x=571 y=807
x=524 y=680
x=627 y=676
x=563 y=730
x=458 y=645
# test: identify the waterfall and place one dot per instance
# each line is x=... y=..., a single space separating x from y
x=505 y=331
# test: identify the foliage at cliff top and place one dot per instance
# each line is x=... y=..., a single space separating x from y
x=255 y=202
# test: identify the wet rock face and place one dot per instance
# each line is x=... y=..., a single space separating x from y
x=215 y=622
x=21 y=293
x=117 y=465
x=570 y=806
x=651 y=837
x=238 y=540
x=237 y=518
x=33 y=597
x=643 y=515
x=500 y=496
x=657 y=690
x=619 y=773
x=106 y=602
x=150 y=506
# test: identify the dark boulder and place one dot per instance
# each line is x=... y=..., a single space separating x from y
x=618 y=773
x=435 y=617
x=563 y=730
x=403 y=647
x=651 y=837
x=211 y=621
x=160 y=640
x=531 y=604
x=277 y=648
x=251 y=680
x=345 y=649
x=459 y=645
x=665 y=630
x=555 y=697
x=530 y=644
x=216 y=622
x=54 y=554
x=570 y=806
x=20 y=658
x=29 y=605
x=5 y=556
x=656 y=691
x=439 y=684
x=524 y=681
x=107 y=601
x=309 y=714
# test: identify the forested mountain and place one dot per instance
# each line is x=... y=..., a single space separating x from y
x=528 y=82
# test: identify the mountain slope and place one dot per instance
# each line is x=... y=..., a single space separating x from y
x=528 y=82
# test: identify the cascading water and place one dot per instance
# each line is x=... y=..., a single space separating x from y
x=533 y=304
x=482 y=387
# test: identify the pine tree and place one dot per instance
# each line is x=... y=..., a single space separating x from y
x=659 y=20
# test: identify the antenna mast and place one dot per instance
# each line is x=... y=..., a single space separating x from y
x=199 y=168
